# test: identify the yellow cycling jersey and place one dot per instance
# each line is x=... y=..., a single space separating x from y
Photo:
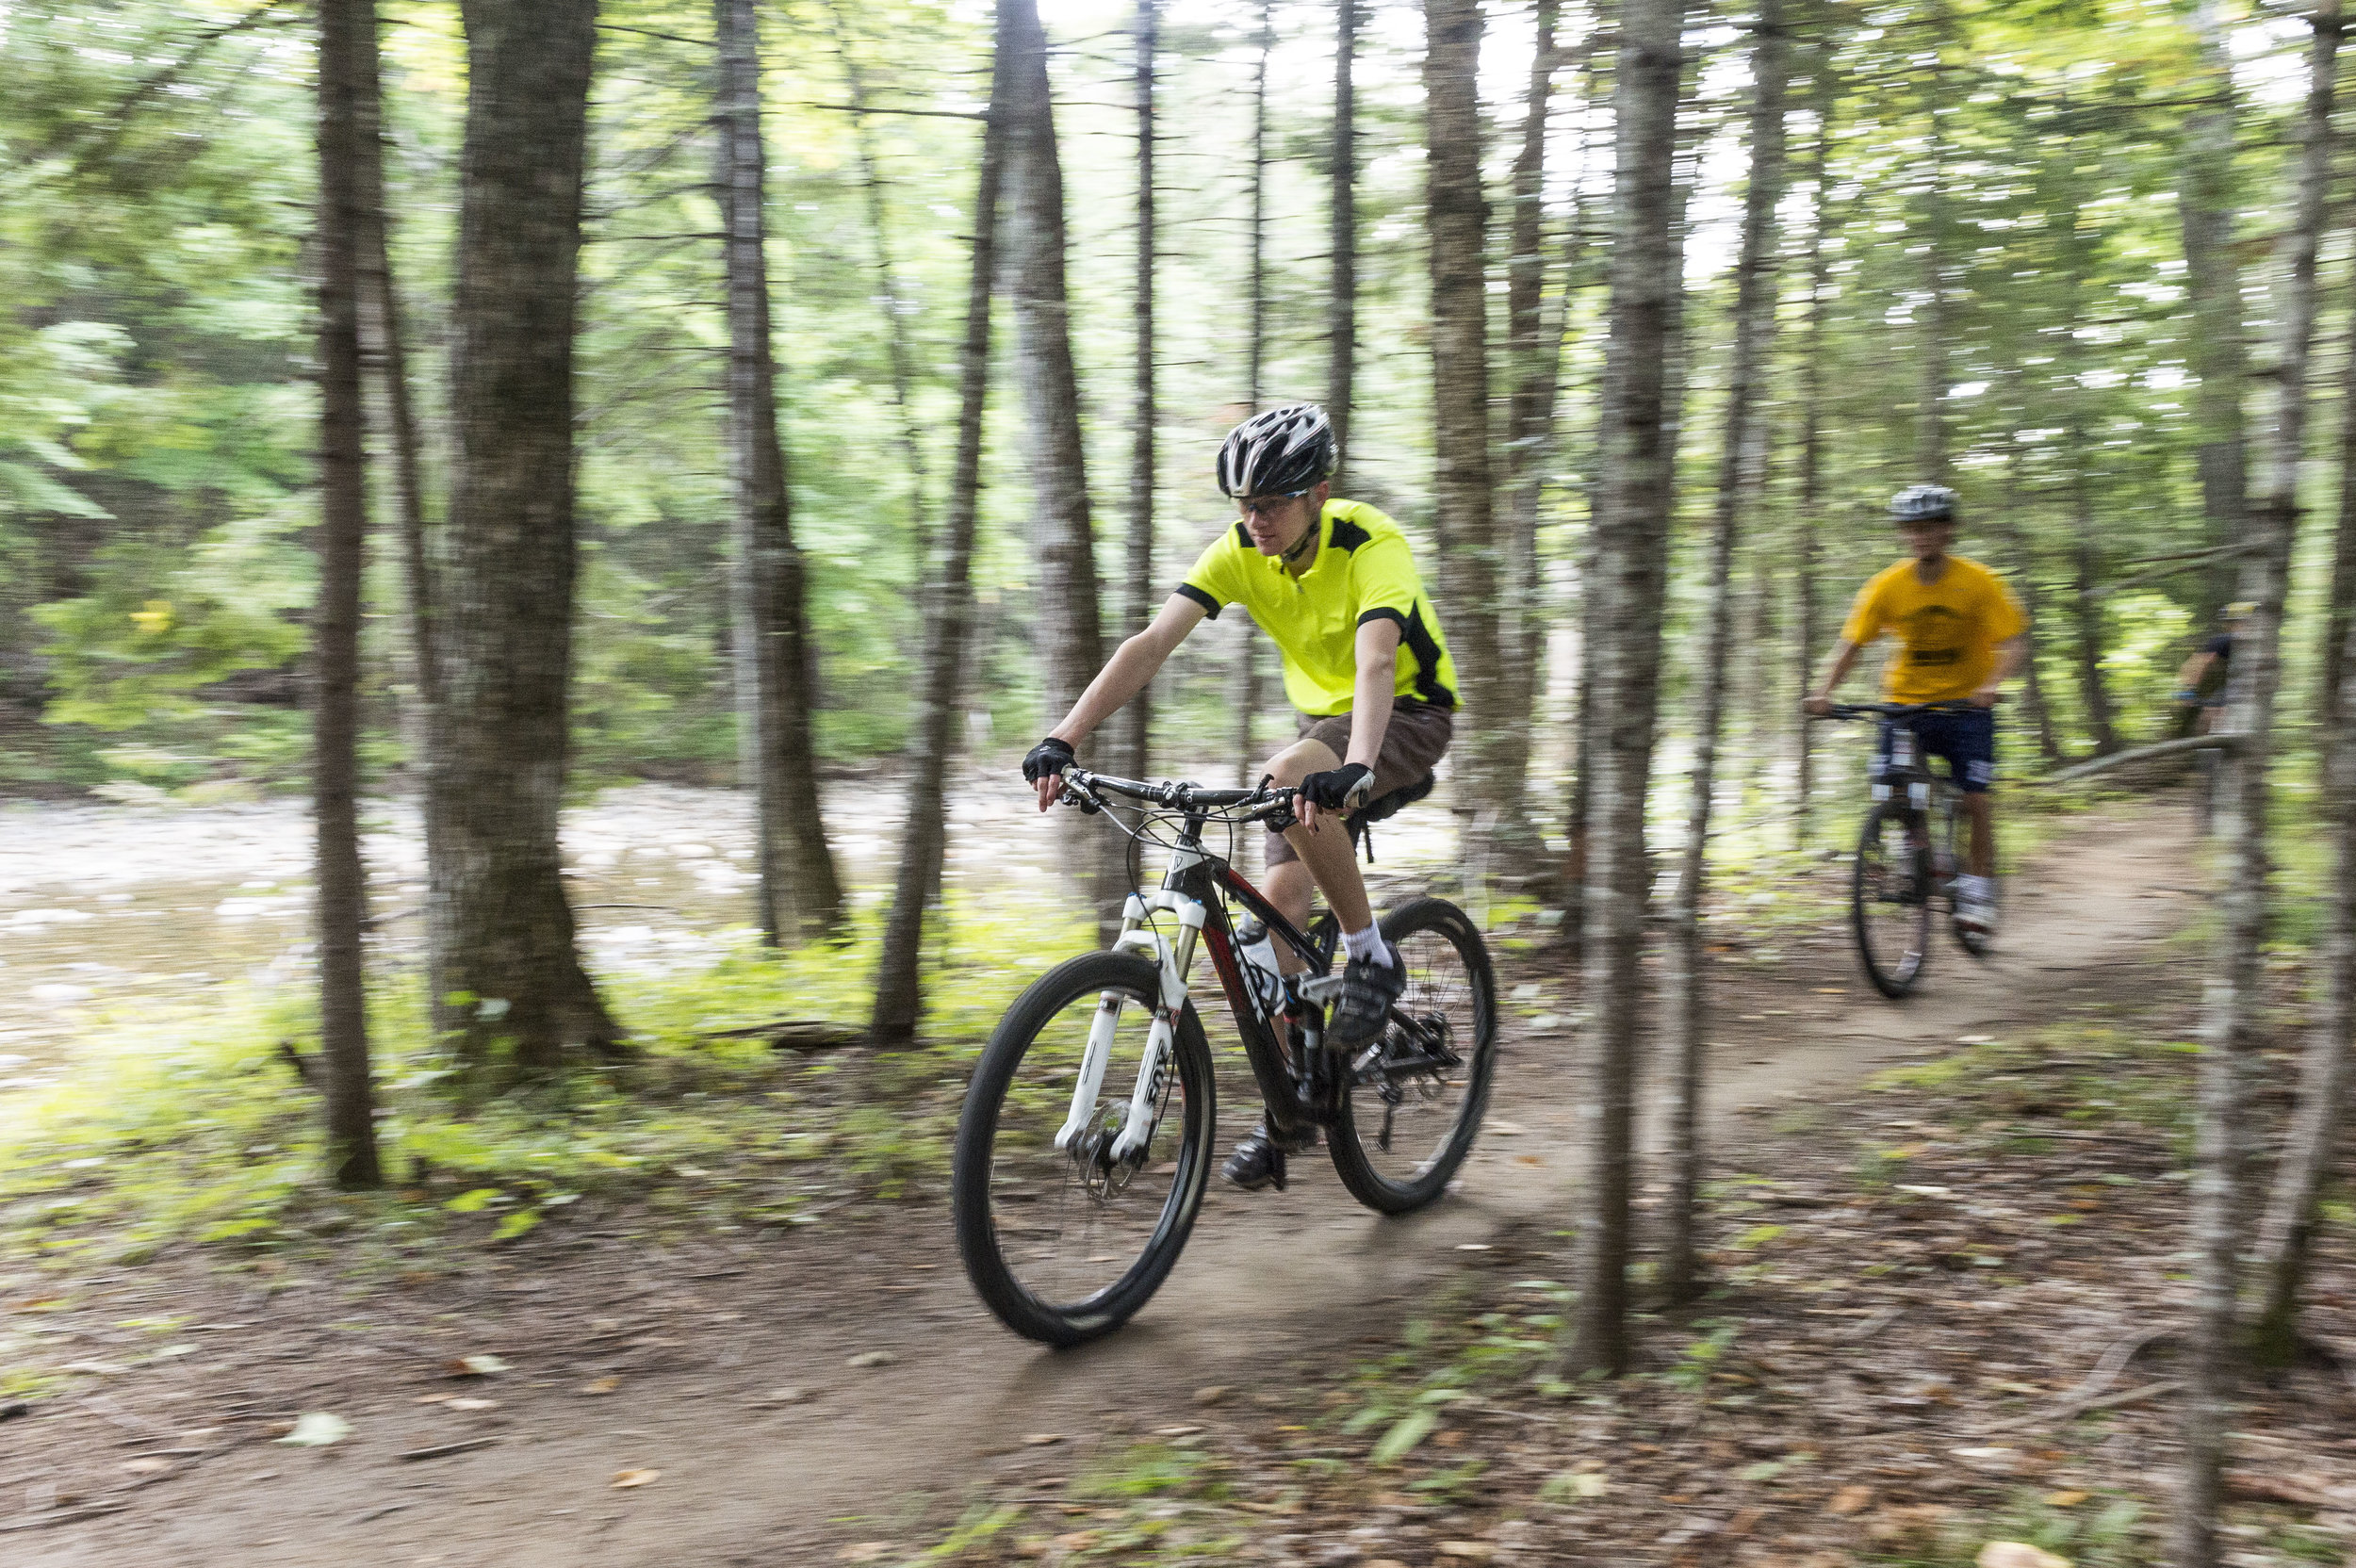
x=1947 y=630
x=1363 y=571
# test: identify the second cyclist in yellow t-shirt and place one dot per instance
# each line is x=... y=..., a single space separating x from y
x=1961 y=634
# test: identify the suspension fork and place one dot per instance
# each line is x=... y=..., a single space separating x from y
x=1172 y=960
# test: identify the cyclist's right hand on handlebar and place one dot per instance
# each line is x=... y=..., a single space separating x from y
x=1044 y=768
x=1820 y=708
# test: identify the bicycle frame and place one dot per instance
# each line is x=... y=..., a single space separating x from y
x=1192 y=886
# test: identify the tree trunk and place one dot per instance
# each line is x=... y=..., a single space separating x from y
x=1248 y=758
x=1465 y=519
x=500 y=927
x=1931 y=461
x=1625 y=608
x=346 y=137
x=2234 y=994
x=2287 y=1236
x=1132 y=726
x=1740 y=472
x=1342 y=304
x=1536 y=356
x=1065 y=588
x=2339 y=618
x=2087 y=610
x=776 y=658
x=899 y=981
x=2290 y=1220
x=2022 y=563
x=898 y=306
x=2205 y=200
x=1807 y=649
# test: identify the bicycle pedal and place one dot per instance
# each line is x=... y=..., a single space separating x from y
x=1322 y=991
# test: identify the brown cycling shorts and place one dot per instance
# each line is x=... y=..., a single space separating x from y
x=1416 y=738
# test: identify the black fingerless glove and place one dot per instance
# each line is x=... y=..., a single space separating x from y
x=1050 y=757
x=1346 y=787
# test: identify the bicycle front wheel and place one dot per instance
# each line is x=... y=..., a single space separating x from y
x=1065 y=1244
x=1890 y=898
x=1415 y=1097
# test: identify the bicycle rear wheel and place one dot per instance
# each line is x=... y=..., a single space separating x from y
x=1066 y=1244
x=1416 y=1095
x=1890 y=898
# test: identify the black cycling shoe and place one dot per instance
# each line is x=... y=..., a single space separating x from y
x=1363 y=1006
x=1258 y=1161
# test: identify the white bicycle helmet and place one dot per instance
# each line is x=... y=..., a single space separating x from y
x=1285 y=448
x=1918 y=503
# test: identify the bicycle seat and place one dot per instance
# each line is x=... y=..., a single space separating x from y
x=1390 y=805
x=1396 y=801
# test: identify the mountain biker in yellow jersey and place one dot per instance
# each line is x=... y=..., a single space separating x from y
x=1961 y=636
x=1335 y=584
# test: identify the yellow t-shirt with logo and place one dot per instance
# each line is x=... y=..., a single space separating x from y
x=1363 y=571
x=1947 y=630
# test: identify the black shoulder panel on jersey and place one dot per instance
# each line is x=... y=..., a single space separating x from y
x=1242 y=537
x=1349 y=535
x=1427 y=651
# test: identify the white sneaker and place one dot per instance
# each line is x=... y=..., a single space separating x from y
x=1976 y=914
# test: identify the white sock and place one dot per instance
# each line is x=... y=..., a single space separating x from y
x=1977 y=889
x=1368 y=945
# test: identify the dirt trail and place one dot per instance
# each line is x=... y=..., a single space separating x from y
x=1268 y=1281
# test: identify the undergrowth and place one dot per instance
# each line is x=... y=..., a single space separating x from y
x=192 y=1125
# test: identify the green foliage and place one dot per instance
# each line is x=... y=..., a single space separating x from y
x=188 y=1127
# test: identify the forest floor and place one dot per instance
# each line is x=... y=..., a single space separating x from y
x=1918 y=1274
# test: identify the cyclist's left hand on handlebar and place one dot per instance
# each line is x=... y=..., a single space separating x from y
x=1044 y=768
x=1986 y=697
x=1341 y=788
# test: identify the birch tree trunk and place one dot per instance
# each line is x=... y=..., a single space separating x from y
x=1535 y=355
x=1624 y=608
x=899 y=979
x=501 y=930
x=2233 y=993
x=1132 y=726
x=1807 y=646
x=1741 y=467
x=1065 y=587
x=2288 y=1231
x=775 y=657
x=1248 y=658
x=1342 y=303
x=1465 y=521
x=347 y=138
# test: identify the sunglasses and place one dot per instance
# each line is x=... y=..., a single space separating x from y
x=1261 y=506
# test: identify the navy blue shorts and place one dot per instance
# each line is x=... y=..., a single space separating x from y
x=1967 y=741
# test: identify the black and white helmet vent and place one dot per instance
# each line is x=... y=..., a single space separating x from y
x=1921 y=502
x=1285 y=448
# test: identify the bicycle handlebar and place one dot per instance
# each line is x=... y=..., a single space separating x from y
x=1896 y=710
x=1082 y=787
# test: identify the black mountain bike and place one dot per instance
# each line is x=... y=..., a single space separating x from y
x=1087 y=1135
x=1906 y=857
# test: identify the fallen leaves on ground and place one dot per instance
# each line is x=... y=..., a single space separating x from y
x=625 y=1480
x=316 y=1429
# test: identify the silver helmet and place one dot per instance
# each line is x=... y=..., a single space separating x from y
x=1285 y=448
x=1922 y=503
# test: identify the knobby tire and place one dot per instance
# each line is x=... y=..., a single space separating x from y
x=1353 y=1161
x=979 y=1242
